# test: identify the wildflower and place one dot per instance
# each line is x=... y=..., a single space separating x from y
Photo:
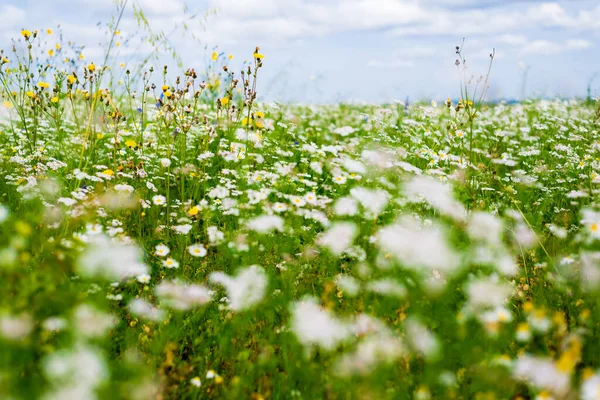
x=51 y=52
x=339 y=237
x=91 y=67
x=266 y=224
x=146 y=310
x=435 y=193
x=26 y=33
x=421 y=339
x=182 y=229
x=374 y=201
x=159 y=200
x=339 y=179
x=30 y=94
x=4 y=213
x=314 y=326
x=193 y=211
x=245 y=289
x=279 y=207
x=195 y=381
x=15 y=327
x=258 y=55
x=344 y=130
x=130 y=143
x=161 y=250
x=168 y=94
x=539 y=321
x=224 y=101
x=298 y=201
x=346 y=206
x=170 y=263
x=71 y=79
x=542 y=373
x=590 y=388
x=310 y=198
x=182 y=297
x=92 y=323
x=113 y=260
x=215 y=236
x=487 y=227
x=54 y=99
x=80 y=371
x=197 y=250
x=214 y=56
x=421 y=248
x=144 y=278
x=108 y=172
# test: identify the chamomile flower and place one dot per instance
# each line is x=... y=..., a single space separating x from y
x=170 y=263
x=339 y=179
x=159 y=200
x=195 y=381
x=298 y=201
x=197 y=250
x=161 y=250
x=279 y=207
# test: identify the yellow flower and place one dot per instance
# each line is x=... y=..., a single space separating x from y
x=130 y=143
x=30 y=94
x=71 y=79
x=260 y=114
x=5 y=60
x=23 y=228
x=117 y=32
x=230 y=56
x=259 y=55
x=26 y=33
x=122 y=65
x=54 y=99
x=168 y=94
x=81 y=56
x=165 y=88
x=259 y=124
x=50 y=52
x=57 y=46
x=108 y=172
x=43 y=85
x=193 y=211
x=215 y=56
x=99 y=135
x=7 y=104
x=49 y=31
x=245 y=121
x=225 y=101
x=118 y=44
x=91 y=67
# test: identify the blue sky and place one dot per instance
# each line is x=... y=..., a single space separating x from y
x=358 y=50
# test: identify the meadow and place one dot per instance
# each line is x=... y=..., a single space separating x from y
x=168 y=235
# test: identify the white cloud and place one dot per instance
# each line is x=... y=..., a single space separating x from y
x=546 y=47
x=12 y=17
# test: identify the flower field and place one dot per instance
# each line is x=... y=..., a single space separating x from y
x=168 y=236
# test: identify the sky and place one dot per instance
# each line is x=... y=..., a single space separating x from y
x=326 y=51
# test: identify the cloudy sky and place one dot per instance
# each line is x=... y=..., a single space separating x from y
x=359 y=50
